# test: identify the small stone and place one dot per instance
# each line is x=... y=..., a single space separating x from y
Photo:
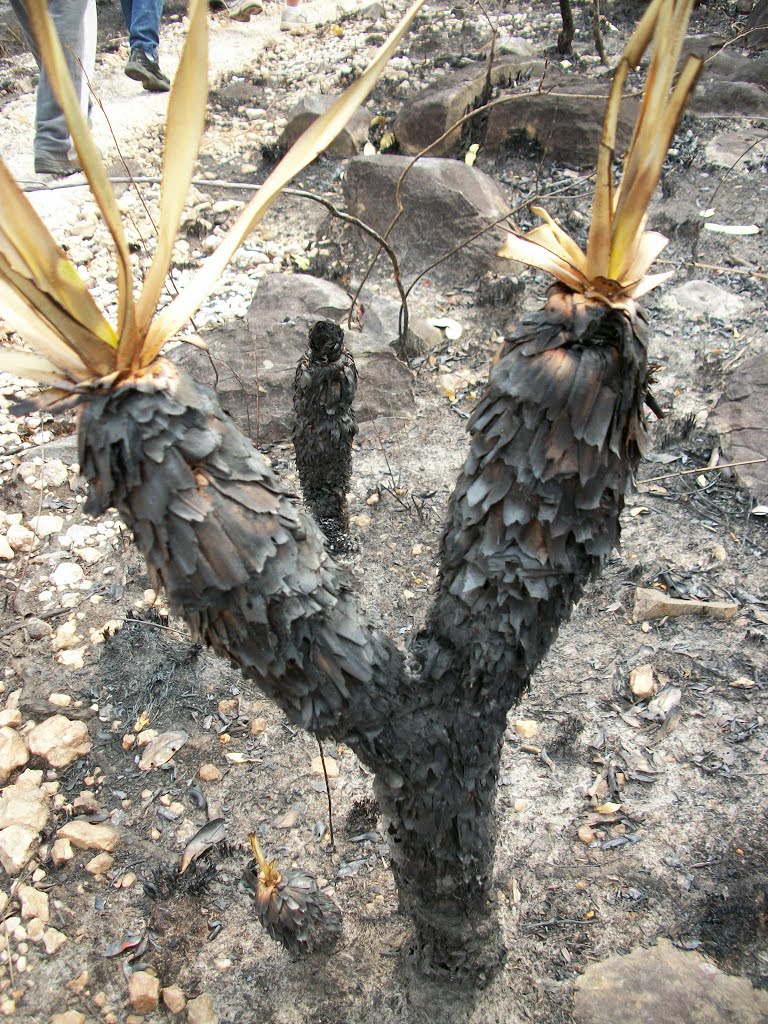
x=99 y=864
x=127 y=741
x=6 y=551
x=719 y=553
x=13 y=752
x=641 y=682
x=61 y=852
x=37 y=628
x=86 y=803
x=79 y=984
x=331 y=767
x=173 y=997
x=653 y=604
x=45 y=526
x=361 y=521
x=229 y=706
x=86 y=836
x=586 y=835
x=522 y=805
x=23 y=805
x=373 y=499
x=146 y=736
x=60 y=700
x=68 y=1017
x=34 y=903
x=8 y=1007
x=74 y=658
x=200 y=1010
x=143 y=991
x=128 y=879
x=258 y=726
x=67 y=575
x=17 y=844
x=20 y=538
x=35 y=929
x=54 y=473
x=10 y=717
x=526 y=728
x=209 y=773
x=59 y=741
x=53 y=939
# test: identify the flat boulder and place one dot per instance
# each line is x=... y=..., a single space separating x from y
x=565 y=122
x=256 y=361
x=663 y=984
x=445 y=203
x=433 y=111
x=306 y=111
x=757 y=25
x=741 y=420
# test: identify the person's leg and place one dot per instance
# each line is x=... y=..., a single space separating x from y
x=293 y=18
x=241 y=10
x=144 y=26
x=52 y=141
x=144 y=37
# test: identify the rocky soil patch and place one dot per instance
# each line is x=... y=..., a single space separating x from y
x=632 y=800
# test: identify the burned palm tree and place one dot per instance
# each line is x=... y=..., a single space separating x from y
x=291 y=907
x=324 y=428
x=554 y=443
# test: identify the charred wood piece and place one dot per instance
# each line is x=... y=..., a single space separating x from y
x=324 y=428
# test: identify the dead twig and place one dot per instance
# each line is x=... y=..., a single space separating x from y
x=328 y=794
x=702 y=469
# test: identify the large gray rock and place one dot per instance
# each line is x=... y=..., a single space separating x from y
x=444 y=204
x=741 y=420
x=664 y=984
x=757 y=22
x=731 y=84
x=703 y=300
x=566 y=123
x=741 y=151
x=306 y=111
x=429 y=115
x=255 y=362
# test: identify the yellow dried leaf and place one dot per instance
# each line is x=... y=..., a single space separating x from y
x=608 y=808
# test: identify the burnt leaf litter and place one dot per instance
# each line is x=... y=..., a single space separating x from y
x=621 y=819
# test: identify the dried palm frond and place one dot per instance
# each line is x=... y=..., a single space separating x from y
x=42 y=297
x=614 y=269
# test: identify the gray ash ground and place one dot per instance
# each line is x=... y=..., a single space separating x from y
x=684 y=856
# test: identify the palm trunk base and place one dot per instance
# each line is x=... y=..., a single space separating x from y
x=455 y=948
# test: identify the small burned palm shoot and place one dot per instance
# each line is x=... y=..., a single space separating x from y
x=291 y=907
x=324 y=428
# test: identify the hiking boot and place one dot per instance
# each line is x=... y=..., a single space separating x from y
x=241 y=10
x=294 y=20
x=57 y=166
x=141 y=68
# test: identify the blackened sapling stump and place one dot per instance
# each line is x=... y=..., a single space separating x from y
x=324 y=428
x=554 y=444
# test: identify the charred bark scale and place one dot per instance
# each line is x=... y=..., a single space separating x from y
x=324 y=428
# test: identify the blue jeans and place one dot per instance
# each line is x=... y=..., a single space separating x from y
x=143 y=20
x=75 y=21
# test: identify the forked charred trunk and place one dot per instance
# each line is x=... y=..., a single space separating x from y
x=534 y=514
x=324 y=428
